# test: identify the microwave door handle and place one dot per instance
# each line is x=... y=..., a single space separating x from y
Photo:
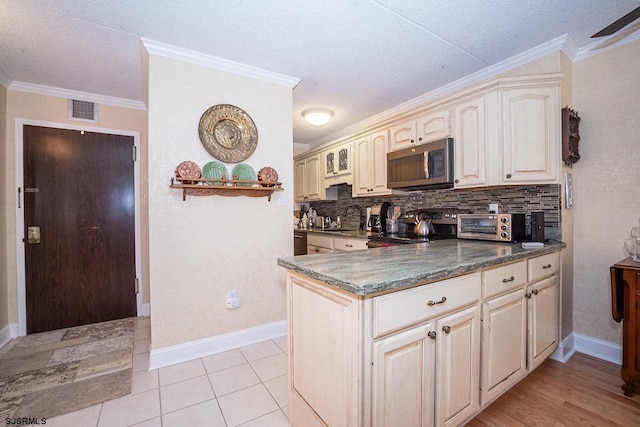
x=426 y=164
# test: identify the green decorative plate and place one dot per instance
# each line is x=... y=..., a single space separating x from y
x=215 y=170
x=244 y=172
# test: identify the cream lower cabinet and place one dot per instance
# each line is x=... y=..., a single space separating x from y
x=543 y=320
x=403 y=378
x=543 y=293
x=504 y=329
x=504 y=344
x=457 y=366
x=317 y=244
x=432 y=355
x=440 y=360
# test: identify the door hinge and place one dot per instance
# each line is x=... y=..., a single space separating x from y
x=137 y=286
x=135 y=153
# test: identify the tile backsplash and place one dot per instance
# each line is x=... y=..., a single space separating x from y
x=515 y=199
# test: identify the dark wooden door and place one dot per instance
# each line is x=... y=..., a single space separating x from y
x=79 y=189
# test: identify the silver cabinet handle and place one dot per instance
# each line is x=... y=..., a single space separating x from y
x=510 y=279
x=446 y=329
x=432 y=335
x=546 y=266
x=437 y=302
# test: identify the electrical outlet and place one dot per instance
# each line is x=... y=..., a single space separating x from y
x=493 y=208
x=232 y=299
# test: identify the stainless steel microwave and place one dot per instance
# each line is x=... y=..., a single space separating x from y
x=494 y=227
x=424 y=166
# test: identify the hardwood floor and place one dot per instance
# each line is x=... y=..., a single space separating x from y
x=585 y=391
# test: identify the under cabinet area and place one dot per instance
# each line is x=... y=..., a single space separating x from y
x=430 y=355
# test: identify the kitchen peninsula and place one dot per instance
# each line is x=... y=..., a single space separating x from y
x=425 y=334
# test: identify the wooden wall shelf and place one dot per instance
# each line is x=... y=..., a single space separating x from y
x=225 y=187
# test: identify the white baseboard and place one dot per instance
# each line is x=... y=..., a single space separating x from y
x=8 y=332
x=145 y=310
x=205 y=347
x=601 y=349
x=565 y=350
x=590 y=346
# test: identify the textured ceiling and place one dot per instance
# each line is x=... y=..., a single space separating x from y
x=356 y=57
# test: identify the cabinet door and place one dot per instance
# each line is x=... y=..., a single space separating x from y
x=531 y=138
x=312 y=178
x=469 y=139
x=371 y=165
x=504 y=343
x=362 y=169
x=433 y=125
x=299 y=186
x=337 y=161
x=402 y=379
x=378 y=148
x=402 y=135
x=457 y=366
x=543 y=320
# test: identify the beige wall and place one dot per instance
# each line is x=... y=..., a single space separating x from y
x=29 y=106
x=606 y=180
x=4 y=230
x=204 y=246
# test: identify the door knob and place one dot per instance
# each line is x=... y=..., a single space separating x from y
x=33 y=235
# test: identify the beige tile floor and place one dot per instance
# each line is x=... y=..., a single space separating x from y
x=242 y=387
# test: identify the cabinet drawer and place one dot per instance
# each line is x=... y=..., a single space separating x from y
x=500 y=280
x=319 y=241
x=543 y=266
x=342 y=244
x=404 y=308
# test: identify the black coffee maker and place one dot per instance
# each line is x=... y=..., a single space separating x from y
x=378 y=217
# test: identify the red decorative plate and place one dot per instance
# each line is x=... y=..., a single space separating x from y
x=188 y=169
x=268 y=174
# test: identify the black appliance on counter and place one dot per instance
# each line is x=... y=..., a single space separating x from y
x=378 y=217
x=444 y=221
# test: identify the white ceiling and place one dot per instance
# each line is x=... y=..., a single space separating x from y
x=356 y=57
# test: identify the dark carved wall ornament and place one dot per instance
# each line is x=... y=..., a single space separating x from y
x=570 y=136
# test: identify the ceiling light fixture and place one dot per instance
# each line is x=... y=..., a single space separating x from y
x=317 y=116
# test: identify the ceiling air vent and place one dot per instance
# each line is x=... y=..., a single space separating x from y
x=83 y=110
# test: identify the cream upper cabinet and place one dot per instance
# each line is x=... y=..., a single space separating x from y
x=470 y=146
x=308 y=183
x=299 y=189
x=427 y=127
x=530 y=135
x=336 y=166
x=307 y=179
x=370 y=170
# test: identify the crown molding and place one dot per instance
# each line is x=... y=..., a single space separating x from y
x=173 y=52
x=5 y=80
x=593 y=49
x=74 y=94
x=560 y=43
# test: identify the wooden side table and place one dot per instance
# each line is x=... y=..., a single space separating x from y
x=625 y=307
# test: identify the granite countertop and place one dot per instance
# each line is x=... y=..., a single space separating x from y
x=358 y=234
x=371 y=271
